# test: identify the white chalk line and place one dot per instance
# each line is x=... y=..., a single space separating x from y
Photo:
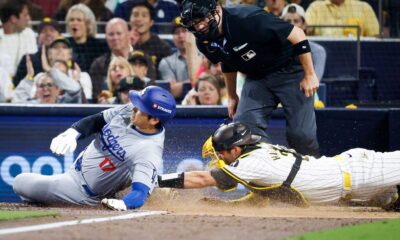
x=77 y=222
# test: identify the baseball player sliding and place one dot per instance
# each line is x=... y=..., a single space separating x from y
x=279 y=173
x=127 y=151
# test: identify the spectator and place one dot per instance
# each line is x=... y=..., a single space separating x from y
x=134 y=35
x=206 y=92
x=142 y=18
x=117 y=37
x=118 y=40
x=274 y=6
x=164 y=10
x=127 y=84
x=140 y=65
x=303 y=3
x=81 y=24
x=48 y=31
x=53 y=86
x=118 y=69
x=101 y=12
x=61 y=50
x=342 y=12
x=16 y=38
x=6 y=86
x=216 y=71
x=174 y=68
x=295 y=14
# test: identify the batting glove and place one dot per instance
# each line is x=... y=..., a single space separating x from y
x=65 y=142
x=114 y=204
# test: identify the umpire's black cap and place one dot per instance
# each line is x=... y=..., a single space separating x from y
x=233 y=134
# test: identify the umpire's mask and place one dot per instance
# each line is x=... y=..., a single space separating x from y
x=194 y=11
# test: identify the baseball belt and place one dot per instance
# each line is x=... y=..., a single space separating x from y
x=78 y=168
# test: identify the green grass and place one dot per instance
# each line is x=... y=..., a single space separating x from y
x=16 y=214
x=387 y=230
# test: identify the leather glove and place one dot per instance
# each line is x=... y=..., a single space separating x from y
x=114 y=204
x=65 y=142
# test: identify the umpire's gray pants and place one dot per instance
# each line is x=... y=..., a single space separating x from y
x=59 y=188
x=260 y=97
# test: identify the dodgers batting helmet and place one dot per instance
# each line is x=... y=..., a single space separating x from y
x=196 y=10
x=233 y=134
x=154 y=101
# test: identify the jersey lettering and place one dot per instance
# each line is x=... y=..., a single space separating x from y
x=110 y=143
x=106 y=165
x=279 y=152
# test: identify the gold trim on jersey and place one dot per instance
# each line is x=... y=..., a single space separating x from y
x=265 y=189
x=227 y=190
x=346 y=177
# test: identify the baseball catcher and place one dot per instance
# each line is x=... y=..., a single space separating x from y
x=126 y=151
x=279 y=173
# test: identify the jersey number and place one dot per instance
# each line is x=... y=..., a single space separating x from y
x=106 y=165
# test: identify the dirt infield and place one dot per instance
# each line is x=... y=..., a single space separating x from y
x=193 y=218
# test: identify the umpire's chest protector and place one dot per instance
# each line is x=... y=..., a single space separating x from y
x=255 y=42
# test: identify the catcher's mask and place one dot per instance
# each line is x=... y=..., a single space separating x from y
x=226 y=137
x=194 y=11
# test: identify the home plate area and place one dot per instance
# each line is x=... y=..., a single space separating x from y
x=187 y=216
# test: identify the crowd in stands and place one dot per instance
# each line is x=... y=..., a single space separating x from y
x=74 y=65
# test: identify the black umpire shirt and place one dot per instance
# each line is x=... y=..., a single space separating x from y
x=254 y=42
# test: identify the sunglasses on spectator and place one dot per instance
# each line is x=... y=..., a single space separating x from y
x=48 y=85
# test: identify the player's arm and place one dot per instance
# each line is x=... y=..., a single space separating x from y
x=89 y=125
x=233 y=99
x=134 y=199
x=301 y=47
x=67 y=141
x=198 y=179
x=143 y=179
x=188 y=180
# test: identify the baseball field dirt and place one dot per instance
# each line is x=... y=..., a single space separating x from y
x=189 y=216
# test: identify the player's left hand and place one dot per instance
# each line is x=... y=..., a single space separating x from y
x=114 y=204
x=309 y=84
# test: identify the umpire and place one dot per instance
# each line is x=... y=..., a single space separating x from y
x=275 y=56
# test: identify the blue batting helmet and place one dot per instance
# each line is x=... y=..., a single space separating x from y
x=154 y=101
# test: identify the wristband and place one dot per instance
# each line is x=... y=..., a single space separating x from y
x=301 y=47
x=172 y=180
